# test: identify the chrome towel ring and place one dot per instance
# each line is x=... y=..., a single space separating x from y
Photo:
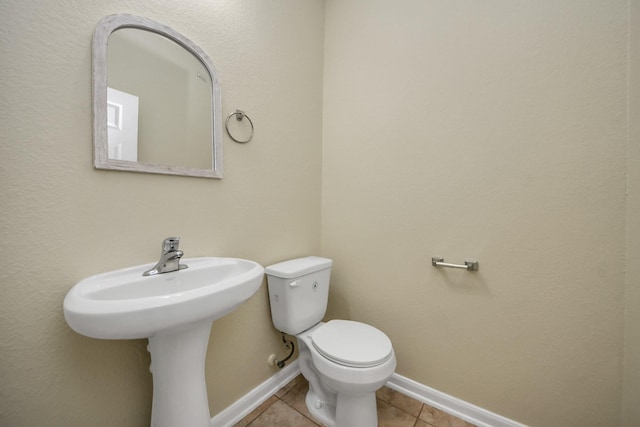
x=239 y=116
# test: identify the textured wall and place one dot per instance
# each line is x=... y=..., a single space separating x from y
x=494 y=130
x=490 y=129
x=631 y=409
x=61 y=220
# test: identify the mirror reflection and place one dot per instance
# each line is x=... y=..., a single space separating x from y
x=156 y=101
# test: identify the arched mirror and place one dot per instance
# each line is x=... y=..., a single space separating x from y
x=156 y=100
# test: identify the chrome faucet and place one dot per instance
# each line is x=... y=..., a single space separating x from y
x=169 y=258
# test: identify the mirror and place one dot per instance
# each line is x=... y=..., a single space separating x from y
x=156 y=101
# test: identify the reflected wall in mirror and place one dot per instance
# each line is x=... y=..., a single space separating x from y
x=156 y=100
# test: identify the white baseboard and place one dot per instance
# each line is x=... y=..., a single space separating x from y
x=449 y=404
x=250 y=401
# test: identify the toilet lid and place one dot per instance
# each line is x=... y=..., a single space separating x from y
x=352 y=344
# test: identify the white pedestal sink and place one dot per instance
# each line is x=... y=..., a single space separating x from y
x=175 y=312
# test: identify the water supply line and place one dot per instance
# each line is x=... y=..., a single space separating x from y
x=288 y=344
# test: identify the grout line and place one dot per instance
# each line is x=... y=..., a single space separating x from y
x=402 y=410
x=258 y=414
x=291 y=385
x=280 y=399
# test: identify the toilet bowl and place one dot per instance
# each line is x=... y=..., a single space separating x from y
x=344 y=361
x=343 y=392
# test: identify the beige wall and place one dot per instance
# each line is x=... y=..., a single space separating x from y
x=492 y=130
x=61 y=220
x=630 y=408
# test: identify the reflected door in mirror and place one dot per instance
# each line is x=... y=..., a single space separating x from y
x=122 y=125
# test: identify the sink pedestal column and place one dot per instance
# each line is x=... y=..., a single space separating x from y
x=179 y=387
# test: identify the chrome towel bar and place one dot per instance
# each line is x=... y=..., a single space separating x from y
x=469 y=265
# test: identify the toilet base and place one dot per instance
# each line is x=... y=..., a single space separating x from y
x=350 y=411
x=356 y=410
x=321 y=411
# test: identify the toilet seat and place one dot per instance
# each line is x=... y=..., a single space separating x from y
x=352 y=344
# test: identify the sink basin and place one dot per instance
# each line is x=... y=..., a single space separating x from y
x=123 y=304
x=175 y=312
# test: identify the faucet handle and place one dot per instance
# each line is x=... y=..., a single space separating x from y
x=170 y=244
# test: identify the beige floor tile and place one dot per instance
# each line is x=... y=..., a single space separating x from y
x=256 y=412
x=384 y=393
x=281 y=415
x=400 y=401
x=390 y=416
x=457 y=422
x=437 y=418
x=284 y=390
x=427 y=414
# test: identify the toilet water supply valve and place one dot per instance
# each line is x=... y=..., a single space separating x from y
x=288 y=344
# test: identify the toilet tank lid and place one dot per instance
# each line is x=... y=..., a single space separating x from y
x=298 y=267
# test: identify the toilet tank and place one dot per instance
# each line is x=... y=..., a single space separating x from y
x=298 y=292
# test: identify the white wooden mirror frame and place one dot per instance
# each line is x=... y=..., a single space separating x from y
x=101 y=160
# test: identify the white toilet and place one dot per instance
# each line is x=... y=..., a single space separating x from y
x=345 y=362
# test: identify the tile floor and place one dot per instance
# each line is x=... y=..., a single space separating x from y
x=287 y=409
